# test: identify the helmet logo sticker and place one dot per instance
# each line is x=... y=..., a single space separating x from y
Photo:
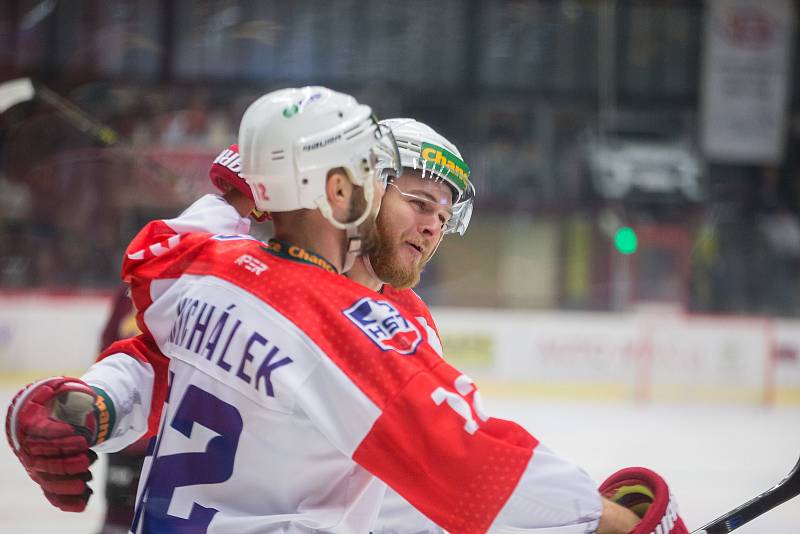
x=323 y=143
x=444 y=159
x=294 y=109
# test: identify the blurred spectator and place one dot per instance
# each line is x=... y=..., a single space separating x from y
x=188 y=125
x=15 y=200
x=68 y=206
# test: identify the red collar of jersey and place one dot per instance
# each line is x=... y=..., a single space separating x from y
x=297 y=253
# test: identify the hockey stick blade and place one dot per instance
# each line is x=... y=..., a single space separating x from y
x=786 y=489
x=15 y=92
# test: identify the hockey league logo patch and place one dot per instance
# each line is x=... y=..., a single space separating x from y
x=384 y=325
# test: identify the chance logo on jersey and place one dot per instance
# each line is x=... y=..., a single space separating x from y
x=384 y=325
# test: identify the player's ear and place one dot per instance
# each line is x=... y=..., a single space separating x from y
x=339 y=190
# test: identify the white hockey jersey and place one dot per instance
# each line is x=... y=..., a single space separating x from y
x=285 y=392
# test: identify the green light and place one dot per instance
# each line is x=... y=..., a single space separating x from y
x=625 y=240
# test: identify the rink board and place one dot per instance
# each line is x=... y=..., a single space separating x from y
x=637 y=356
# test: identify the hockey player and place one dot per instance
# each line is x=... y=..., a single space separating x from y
x=397 y=211
x=275 y=364
x=431 y=198
x=123 y=467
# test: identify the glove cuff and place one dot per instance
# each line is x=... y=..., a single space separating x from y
x=104 y=414
x=646 y=494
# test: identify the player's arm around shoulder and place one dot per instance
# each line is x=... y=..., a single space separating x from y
x=418 y=424
x=426 y=435
x=132 y=375
x=208 y=214
x=54 y=425
x=213 y=213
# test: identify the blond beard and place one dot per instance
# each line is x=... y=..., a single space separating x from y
x=370 y=238
x=382 y=261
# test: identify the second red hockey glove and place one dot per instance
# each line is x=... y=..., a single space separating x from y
x=224 y=174
x=647 y=495
x=50 y=426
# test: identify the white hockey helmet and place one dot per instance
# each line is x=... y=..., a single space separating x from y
x=423 y=148
x=289 y=139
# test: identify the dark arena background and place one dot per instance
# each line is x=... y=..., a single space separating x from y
x=633 y=261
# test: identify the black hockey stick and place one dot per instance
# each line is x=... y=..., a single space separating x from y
x=23 y=89
x=786 y=489
x=77 y=117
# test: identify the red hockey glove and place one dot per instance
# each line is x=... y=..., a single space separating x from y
x=224 y=174
x=50 y=425
x=647 y=495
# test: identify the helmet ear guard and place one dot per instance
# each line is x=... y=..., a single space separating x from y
x=462 y=214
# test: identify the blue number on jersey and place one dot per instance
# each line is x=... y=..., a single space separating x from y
x=213 y=466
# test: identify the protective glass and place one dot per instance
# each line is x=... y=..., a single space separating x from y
x=459 y=214
x=428 y=206
x=462 y=213
x=384 y=155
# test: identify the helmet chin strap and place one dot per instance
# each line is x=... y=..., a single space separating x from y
x=441 y=236
x=354 y=243
x=371 y=271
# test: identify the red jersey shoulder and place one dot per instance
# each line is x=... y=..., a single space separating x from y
x=151 y=254
x=406 y=298
x=410 y=301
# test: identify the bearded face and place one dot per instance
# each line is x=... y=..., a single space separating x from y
x=409 y=228
x=368 y=229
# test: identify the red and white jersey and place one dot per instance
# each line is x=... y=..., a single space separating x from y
x=396 y=515
x=289 y=392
